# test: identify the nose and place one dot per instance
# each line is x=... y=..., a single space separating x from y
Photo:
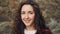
x=26 y=16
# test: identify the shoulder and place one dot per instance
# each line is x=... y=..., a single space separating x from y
x=47 y=31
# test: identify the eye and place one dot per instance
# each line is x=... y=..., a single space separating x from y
x=31 y=12
x=22 y=12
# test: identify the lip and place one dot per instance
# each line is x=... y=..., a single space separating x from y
x=27 y=20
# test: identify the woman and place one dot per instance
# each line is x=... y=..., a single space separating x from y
x=29 y=20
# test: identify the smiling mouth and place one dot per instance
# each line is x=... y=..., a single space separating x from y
x=27 y=21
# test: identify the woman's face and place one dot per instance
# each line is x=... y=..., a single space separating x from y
x=27 y=15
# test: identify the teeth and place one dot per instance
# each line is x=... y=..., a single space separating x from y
x=26 y=21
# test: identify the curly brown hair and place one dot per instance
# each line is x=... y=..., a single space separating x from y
x=39 y=20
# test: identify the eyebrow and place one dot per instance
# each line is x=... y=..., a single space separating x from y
x=30 y=11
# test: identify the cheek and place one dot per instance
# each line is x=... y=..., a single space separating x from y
x=22 y=16
x=32 y=16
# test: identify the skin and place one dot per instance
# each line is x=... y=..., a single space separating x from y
x=27 y=16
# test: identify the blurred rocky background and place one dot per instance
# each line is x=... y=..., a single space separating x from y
x=50 y=10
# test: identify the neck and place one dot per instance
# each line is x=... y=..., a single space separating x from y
x=30 y=27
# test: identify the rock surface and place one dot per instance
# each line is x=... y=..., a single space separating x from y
x=49 y=8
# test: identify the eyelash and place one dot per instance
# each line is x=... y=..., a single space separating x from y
x=22 y=13
x=31 y=13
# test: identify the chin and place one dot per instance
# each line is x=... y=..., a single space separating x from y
x=27 y=24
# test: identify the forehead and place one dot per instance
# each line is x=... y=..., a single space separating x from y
x=26 y=7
